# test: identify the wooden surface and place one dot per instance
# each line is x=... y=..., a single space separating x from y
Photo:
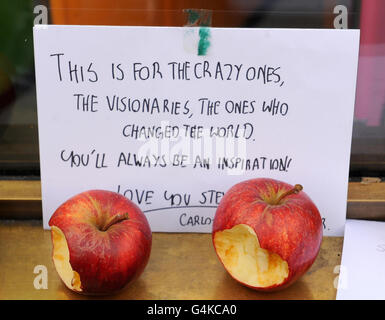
x=22 y=200
x=366 y=200
x=181 y=266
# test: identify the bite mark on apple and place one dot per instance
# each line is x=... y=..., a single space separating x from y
x=240 y=252
x=61 y=259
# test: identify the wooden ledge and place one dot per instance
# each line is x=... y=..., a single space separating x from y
x=181 y=266
x=21 y=199
x=200 y=276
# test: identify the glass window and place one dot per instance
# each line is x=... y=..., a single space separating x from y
x=19 y=152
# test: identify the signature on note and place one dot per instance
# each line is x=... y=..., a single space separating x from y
x=381 y=247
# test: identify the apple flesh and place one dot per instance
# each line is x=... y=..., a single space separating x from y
x=101 y=242
x=266 y=233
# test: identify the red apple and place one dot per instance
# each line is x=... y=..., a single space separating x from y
x=101 y=242
x=266 y=233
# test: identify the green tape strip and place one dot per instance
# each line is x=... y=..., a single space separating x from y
x=204 y=41
x=201 y=18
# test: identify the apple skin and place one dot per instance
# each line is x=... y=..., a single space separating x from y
x=293 y=230
x=105 y=260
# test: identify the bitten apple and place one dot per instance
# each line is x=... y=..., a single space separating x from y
x=101 y=242
x=266 y=233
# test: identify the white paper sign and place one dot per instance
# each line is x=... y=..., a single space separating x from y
x=362 y=275
x=173 y=117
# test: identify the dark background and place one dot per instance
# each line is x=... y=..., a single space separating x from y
x=19 y=149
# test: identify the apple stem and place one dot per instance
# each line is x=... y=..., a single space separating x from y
x=115 y=219
x=297 y=188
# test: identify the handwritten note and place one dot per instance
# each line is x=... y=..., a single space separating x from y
x=143 y=112
x=362 y=267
